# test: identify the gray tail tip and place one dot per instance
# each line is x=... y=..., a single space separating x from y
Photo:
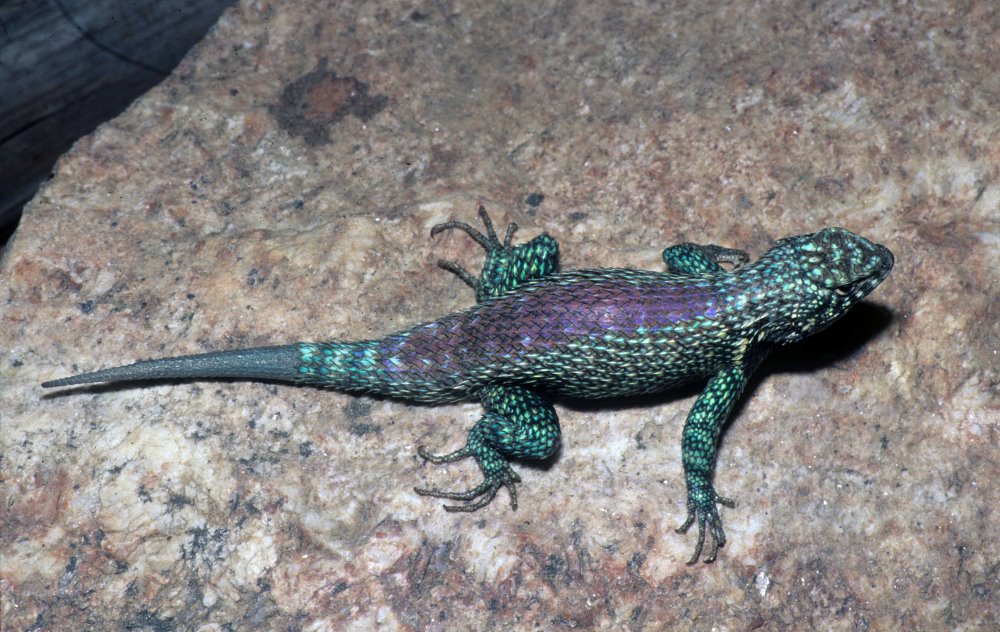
x=66 y=381
x=76 y=380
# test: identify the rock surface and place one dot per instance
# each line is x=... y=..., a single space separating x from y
x=280 y=185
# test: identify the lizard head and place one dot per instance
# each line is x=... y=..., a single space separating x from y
x=827 y=273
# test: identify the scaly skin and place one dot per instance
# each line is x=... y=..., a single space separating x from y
x=583 y=333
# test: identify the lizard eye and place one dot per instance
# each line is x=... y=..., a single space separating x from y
x=848 y=289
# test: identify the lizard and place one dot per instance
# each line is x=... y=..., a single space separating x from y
x=536 y=332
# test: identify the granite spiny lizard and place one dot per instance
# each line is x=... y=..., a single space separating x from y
x=582 y=333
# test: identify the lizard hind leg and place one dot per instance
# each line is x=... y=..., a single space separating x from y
x=518 y=423
x=505 y=266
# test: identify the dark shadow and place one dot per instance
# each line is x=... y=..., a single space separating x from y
x=836 y=344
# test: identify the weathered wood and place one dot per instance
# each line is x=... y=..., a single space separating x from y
x=68 y=65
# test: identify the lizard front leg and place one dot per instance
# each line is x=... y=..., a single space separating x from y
x=506 y=266
x=517 y=424
x=698 y=451
x=691 y=258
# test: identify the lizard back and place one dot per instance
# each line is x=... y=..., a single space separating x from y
x=588 y=333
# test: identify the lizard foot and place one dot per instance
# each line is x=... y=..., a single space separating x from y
x=505 y=266
x=702 y=508
x=490 y=242
x=691 y=258
x=498 y=475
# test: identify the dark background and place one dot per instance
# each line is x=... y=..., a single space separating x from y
x=66 y=66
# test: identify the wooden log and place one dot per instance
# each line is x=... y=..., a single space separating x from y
x=68 y=65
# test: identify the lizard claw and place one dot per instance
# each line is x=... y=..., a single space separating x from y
x=706 y=514
x=736 y=258
x=490 y=243
x=485 y=492
x=480 y=495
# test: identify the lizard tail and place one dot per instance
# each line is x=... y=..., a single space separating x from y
x=392 y=367
x=262 y=363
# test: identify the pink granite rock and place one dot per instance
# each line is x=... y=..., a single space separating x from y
x=280 y=185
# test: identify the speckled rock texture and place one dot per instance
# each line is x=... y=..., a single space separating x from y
x=280 y=186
